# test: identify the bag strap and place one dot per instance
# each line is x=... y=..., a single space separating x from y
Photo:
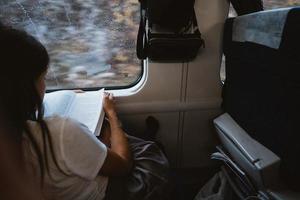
x=141 y=46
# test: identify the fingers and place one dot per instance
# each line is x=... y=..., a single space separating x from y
x=109 y=95
x=109 y=105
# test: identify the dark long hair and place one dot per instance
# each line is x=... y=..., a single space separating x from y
x=23 y=59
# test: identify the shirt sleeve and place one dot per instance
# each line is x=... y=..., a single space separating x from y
x=82 y=152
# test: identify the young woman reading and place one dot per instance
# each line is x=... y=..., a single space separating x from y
x=65 y=159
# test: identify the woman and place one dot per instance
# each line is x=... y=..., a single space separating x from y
x=60 y=153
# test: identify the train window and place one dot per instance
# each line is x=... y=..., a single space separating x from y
x=232 y=12
x=91 y=43
x=272 y=4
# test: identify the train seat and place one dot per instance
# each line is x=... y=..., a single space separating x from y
x=261 y=96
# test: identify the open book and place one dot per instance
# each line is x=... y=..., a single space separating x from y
x=84 y=107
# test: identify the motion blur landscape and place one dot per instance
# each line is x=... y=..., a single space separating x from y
x=91 y=43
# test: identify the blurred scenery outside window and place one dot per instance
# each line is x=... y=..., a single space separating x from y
x=271 y=4
x=91 y=43
x=268 y=4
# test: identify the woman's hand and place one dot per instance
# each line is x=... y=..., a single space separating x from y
x=109 y=105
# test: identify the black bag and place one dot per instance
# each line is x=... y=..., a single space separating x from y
x=162 y=44
x=171 y=14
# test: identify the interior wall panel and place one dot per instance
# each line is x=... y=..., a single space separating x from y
x=199 y=138
x=184 y=97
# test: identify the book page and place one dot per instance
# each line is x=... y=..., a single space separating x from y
x=58 y=103
x=87 y=108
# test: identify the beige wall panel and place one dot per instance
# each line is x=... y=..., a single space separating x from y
x=162 y=83
x=199 y=138
x=203 y=73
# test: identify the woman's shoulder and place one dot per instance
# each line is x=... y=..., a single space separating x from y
x=65 y=124
x=54 y=123
x=59 y=126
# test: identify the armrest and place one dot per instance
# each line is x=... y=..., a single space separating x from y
x=260 y=164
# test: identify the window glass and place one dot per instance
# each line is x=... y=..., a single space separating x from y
x=232 y=12
x=271 y=4
x=91 y=43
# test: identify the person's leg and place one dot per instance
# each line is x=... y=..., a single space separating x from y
x=149 y=177
x=150 y=174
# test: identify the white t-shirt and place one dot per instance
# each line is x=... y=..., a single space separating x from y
x=79 y=154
